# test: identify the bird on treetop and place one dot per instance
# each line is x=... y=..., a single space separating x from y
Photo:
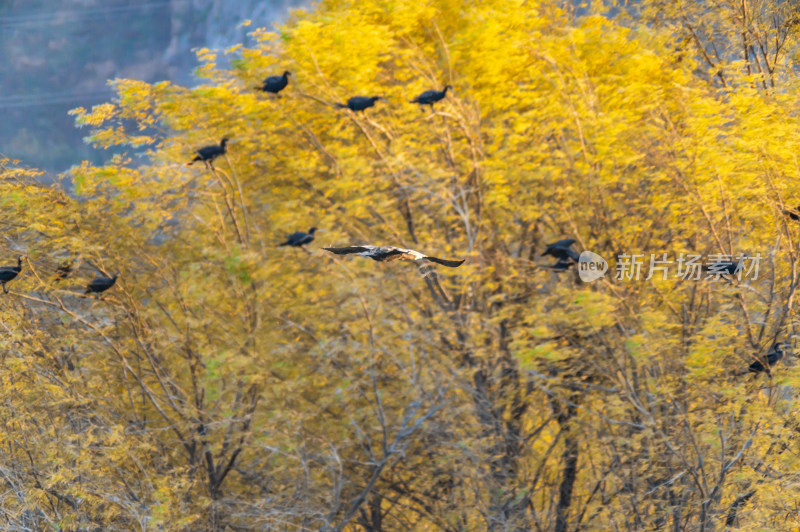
x=359 y=103
x=431 y=97
x=207 y=154
x=275 y=84
x=9 y=273
x=300 y=238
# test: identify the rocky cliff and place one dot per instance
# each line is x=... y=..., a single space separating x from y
x=58 y=59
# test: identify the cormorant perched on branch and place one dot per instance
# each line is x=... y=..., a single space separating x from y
x=300 y=238
x=275 y=84
x=774 y=355
x=794 y=214
x=388 y=253
x=431 y=97
x=63 y=270
x=359 y=103
x=562 y=250
x=207 y=154
x=9 y=273
x=101 y=284
x=724 y=267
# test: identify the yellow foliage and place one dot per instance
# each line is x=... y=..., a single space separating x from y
x=229 y=382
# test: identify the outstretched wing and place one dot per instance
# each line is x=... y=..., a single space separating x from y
x=559 y=266
x=348 y=250
x=574 y=255
x=444 y=262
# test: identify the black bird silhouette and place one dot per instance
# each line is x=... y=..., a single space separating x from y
x=9 y=273
x=101 y=284
x=562 y=250
x=431 y=97
x=724 y=267
x=275 y=84
x=388 y=253
x=300 y=238
x=63 y=270
x=359 y=103
x=774 y=355
x=794 y=214
x=207 y=154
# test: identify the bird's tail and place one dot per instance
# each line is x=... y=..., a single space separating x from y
x=284 y=244
x=88 y=291
x=190 y=163
x=341 y=106
x=448 y=263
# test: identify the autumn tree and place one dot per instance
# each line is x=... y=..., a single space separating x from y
x=228 y=383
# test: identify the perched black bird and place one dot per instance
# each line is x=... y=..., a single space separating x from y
x=300 y=238
x=724 y=267
x=359 y=103
x=207 y=154
x=431 y=97
x=275 y=84
x=9 y=273
x=63 y=270
x=101 y=284
x=794 y=214
x=774 y=355
x=562 y=250
x=387 y=253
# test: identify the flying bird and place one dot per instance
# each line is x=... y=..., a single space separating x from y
x=275 y=84
x=359 y=103
x=559 y=266
x=388 y=253
x=563 y=252
x=431 y=97
x=9 y=273
x=207 y=154
x=774 y=355
x=101 y=284
x=300 y=238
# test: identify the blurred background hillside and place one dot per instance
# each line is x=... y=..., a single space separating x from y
x=59 y=55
